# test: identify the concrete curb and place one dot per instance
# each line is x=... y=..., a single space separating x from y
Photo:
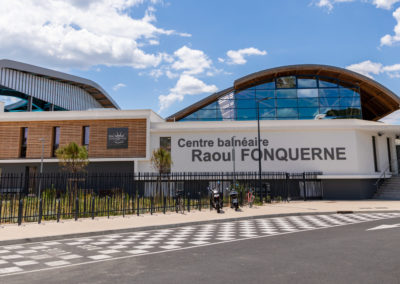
x=159 y=227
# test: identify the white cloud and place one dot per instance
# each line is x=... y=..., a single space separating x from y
x=191 y=61
x=385 y=4
x=393 y=118
x=75 y=33
x=366 y=68
x=328 y=4
x=119 y=86
x=238 y=56
x=186 y=85
x=369 y=68
x=391 y=39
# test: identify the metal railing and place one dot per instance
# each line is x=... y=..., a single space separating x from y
x=33 y=198
x=382 y=178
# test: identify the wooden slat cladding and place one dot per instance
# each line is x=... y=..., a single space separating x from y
x=72 y=131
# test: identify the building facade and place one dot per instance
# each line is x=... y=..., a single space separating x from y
x=312 y=118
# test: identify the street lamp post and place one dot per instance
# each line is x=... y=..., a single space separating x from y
x=259 y=146
x=41 y=166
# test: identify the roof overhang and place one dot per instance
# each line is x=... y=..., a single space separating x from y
x=97 y=92
x=377 y=101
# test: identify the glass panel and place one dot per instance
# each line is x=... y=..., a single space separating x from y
x=307 y=93
x=245 y=95
x=191 y=117
x=246 y=104
x=344 y=92
x=306 y=82
x=267 y=113
x=308 y=102
x=286 y=102
x=261 y=94
x=343 y=84
x=230 y=96
x=266 y=86
x=308 y=112
x=327 y=83
x=86 y=134
x=287 y=112
x=226 y=114
x=246 y=114
x=267 y=103
x=286 y=93
x=350 y=102
x=329 y=92
x=223 y=104
x=333 y=111
x=286 y=82
x=328 y=102
x=211 y=106
x=206 y=113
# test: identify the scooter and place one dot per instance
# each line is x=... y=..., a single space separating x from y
x=216 y=199
x=234 y=199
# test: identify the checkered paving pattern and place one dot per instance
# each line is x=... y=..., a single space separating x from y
x=15 y=259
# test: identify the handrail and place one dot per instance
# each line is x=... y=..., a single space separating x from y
x=382 y=176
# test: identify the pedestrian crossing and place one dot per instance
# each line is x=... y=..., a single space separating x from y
x=29 y=257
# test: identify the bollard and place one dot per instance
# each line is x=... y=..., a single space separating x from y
x=76 y=208
x=151 y=205
x=304 y=187
x=40 y=211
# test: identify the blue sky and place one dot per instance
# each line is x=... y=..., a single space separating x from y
x=166 y=55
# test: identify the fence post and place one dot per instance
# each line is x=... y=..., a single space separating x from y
x=188 y=202
x=165 y=203
x=199 y=201
x=58 y=210
x=20 y=207
x=108 y=207
x=138 y=204
x=123 y=206
x=76 y=208
x=151 y=205
x=92 y=207
x=40 y=211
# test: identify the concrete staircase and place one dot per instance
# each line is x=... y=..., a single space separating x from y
x=390 y=189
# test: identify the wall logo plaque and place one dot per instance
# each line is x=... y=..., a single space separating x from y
x=117 y=138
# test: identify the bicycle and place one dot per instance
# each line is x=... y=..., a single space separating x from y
x=179 y=203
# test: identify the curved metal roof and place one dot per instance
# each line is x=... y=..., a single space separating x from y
x=377 y=101
x=92 y=88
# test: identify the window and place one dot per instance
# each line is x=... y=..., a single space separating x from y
x=24 y=141
x=286 y=82
x=85 y=136
x=56 y=139
x=306 y=82
x=165 y=143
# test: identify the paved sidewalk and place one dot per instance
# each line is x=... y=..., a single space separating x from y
x=82 y=226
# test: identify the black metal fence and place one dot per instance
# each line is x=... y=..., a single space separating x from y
x=33 y=198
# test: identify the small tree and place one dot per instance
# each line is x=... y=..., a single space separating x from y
x=72 y=157
x=161 y=160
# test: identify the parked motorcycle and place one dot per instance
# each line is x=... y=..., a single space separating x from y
x=216 y=199
x=234 y=199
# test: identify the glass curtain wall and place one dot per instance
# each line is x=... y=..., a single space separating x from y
x=291 y=97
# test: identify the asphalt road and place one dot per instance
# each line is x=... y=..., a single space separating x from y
x=282 y=250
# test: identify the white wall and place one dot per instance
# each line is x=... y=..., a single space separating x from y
x=355 y=147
